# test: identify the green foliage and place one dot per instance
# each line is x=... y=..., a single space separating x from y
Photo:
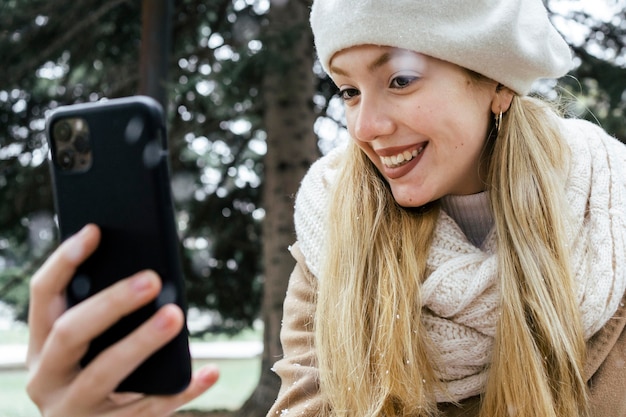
x=61 y=52
x=599 y=80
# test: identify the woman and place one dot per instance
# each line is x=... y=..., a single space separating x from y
x=464 y=255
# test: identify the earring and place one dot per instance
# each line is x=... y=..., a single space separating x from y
x=498 y=119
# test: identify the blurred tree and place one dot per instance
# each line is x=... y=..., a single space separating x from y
x=156 y=42
x=287 y=93
x=240 y=87
x=53 y=54
x=597 y=35
x=64 y=52
x=232 y=98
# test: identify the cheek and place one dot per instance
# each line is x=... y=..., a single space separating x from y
x=480 y=126
x=469 y=124
x=462 y=107
x=367 y=149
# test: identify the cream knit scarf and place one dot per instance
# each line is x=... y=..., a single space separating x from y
x=461 y=294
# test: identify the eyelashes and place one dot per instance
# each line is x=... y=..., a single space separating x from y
x=402 y=81
x=397 y=83
x=349 y=93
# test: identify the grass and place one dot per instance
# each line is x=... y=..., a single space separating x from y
x=14 y=335
x=13 y=399
x=238 y=378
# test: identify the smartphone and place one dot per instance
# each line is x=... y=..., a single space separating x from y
x=109 y=166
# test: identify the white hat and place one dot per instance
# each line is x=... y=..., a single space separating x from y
x=509 y=41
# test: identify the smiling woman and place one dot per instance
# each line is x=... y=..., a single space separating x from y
x=413 y=114
x=464 y=254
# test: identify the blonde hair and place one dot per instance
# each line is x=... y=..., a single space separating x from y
x=374 y=355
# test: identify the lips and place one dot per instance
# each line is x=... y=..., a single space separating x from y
x=399 y=162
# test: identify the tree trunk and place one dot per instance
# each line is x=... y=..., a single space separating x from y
x=156 y=34
x=291 y=148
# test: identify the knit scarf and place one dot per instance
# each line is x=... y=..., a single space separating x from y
x=461 y=294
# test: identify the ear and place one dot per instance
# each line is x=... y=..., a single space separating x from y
x=502 y=98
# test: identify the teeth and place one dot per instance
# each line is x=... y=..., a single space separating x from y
x=401 y=158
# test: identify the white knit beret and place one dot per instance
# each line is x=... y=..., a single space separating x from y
x=509 y=41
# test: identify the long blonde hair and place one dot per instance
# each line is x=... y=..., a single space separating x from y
x=374 y=355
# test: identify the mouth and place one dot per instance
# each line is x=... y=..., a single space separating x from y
x=401 y=158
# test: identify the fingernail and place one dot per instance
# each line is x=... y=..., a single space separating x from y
x=75 y=250
x=163 y=320
x=141 y=282
x=209 y=374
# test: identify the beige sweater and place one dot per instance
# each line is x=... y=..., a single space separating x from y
x=596 y=192
x=605 y=368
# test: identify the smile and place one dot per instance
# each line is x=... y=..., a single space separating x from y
x=402 y=158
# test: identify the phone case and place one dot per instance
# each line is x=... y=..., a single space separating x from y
x=110 y=167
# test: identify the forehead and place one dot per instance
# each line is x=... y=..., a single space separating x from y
x=369 y=58
x=373 y=57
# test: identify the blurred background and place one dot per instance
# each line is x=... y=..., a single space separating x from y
x=248 y=110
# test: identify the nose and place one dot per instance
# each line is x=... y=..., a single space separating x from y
x=372 y=120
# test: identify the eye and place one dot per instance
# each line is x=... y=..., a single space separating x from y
x=348 y=93
x=402 y=81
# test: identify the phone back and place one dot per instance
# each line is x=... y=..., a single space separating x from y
x=109 y=165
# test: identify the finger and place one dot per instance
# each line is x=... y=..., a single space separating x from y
x=104 y=374
x=201 y=381
x=122 y=398
x=73 y=331
x=47 y=301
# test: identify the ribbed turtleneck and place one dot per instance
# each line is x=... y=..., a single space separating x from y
x=472 y=213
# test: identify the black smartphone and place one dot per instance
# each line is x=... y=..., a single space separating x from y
x=109 y=165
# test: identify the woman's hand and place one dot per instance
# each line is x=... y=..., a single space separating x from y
x=59 y=338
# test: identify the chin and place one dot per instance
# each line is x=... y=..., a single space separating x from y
x=410 y=201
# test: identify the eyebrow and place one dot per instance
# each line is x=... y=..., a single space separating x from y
x=374 y=65
x=380 y=61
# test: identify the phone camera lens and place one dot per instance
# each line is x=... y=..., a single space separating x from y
x=62 y=131
x=81 y=144
x=65 y=159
